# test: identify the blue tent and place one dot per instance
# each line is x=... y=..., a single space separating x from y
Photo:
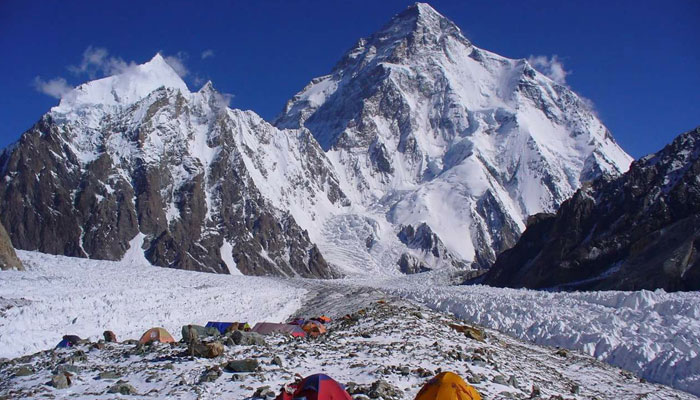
x=64 y=343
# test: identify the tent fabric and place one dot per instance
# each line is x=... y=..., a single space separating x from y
x=316 y=387
x=314 y=328
x=156 y=335
x=224 y=327
x=64 y=343
x=323 y=318
x=268 y=328
x=447 y=386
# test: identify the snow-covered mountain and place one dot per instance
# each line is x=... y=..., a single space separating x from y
x=419 y=151
x=639 y=231
x=137 y=163
x=423 y=127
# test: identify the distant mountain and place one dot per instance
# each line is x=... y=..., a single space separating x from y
x=423 y=127
x=419 y=151
x=136 y=162
x=639 y=231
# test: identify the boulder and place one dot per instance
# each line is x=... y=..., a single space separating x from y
x=201 y=331
x=210 y=374
x=247 y=338
x=122 y=387
x=247 y=365
x=61 y=381
x=8 y=257
x=206 y=350
x=110 y=337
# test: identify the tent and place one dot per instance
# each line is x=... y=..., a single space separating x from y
x=323 y=318
x=314 y=328
x=156 y=335
x=297 y=321
x=315 y=387
x=68 y=341
x=447 y=386
x=268 y=328
x=224 y=327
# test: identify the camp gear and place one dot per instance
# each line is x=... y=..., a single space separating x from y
x=224 y=327
x=156 y=335
x=314 y=387
x=314 y=328
x=447 y=386
x=268 y=328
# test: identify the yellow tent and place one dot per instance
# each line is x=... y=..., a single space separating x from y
x=156 y=335
x=447 y=386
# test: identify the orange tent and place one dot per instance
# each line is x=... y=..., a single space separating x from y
x=447 y=386
x=156 y=335
x=314 y=328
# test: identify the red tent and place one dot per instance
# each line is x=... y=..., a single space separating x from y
x=315 y=387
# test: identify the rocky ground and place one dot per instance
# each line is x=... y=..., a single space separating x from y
x=386 y=349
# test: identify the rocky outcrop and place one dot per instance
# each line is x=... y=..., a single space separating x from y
x=431 y=249
x=639 y=231
x=8 y=257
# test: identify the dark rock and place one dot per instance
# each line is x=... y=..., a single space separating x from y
x=638 y=231
x=110 y=337
x=211 y=374
x=247 y=365
x=500 y=379
x=8 y=256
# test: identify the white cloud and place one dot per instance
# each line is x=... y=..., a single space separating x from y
x=177 y=62
x=552 y=67
x=97 y=61
x=223 y=99
x=207 y=53
x=56 y=87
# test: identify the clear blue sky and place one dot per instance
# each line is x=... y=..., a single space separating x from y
x=638 y=61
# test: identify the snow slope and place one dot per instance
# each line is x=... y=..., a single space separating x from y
x=653 y=334
x=61 y=295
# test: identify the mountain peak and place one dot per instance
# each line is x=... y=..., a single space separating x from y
x=126 y=87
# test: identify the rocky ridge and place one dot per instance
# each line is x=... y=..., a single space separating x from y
x=638 y=231
x=135 y=163
x=370 y=351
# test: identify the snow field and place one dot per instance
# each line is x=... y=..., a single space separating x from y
x=61 y=295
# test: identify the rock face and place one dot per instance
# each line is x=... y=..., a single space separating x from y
x=427 y=128
x=639 y=231
x=135 y=165
x=8 y=257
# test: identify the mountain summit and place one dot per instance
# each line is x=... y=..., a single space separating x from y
x=427 y=128
x=418 y=151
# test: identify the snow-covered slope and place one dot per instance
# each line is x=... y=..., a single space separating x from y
x=424 y=127
x=203 y=187
x=87 y=297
